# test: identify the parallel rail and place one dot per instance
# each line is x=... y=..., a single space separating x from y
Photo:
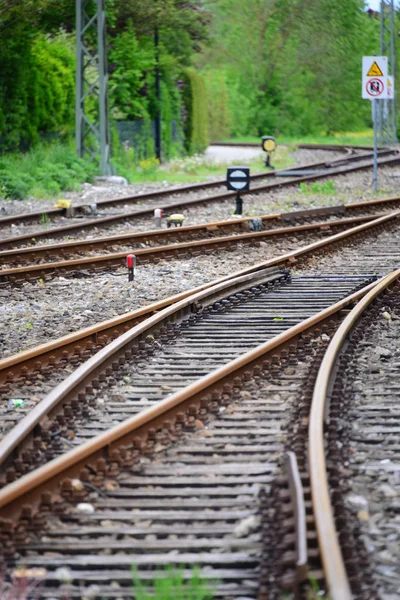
x=169 y=208
x=29 y=487
x=92 y=338
x=32 y=271
x=184 y=189
x=109 y=448
x=332 y=557
x=192 y=232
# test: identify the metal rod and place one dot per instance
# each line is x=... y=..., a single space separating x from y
x=375 y=175
x=158 y=98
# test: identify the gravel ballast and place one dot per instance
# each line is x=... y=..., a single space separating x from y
x=38 y=312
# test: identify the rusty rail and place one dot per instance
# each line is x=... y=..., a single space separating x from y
x=56 y=396
x=118 y=258
x=13 y=364
x=169 y=208
x=332 y=559
x=28 y=488
x=160 y=193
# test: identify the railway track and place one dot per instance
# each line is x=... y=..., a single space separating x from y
x=79 y=345
x=31 y=262
x=223 y=488
x=210 y=481
x=352 y=568
x=335 y=147
x=185 y=189
x=34 y=265
x=152 y=201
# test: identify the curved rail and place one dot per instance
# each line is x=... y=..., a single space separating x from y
x=56 y=212
x=32 y=271
x=28 y=487
x=56 y=396
x=29 y=358
x=169 y=208
x=332 y=559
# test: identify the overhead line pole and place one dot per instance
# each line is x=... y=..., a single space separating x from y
x=157 y=123
x=387 y=130
x=92 y=129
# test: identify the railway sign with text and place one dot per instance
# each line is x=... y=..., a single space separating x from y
x=375 y=77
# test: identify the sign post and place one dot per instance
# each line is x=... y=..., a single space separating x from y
x=268 y=144
x=375 y=87
x=238 y=179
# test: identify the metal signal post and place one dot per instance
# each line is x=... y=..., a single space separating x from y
x=387 y=108
x=92 y=131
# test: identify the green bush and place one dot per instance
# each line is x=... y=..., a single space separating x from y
x=219 y=114
x=37 y=90
x=46 y=170
x=14 y=185
x=195 y=126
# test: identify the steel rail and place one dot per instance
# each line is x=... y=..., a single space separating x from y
x=160 y=193
x=12 y=365
x=328 y=147
x=15 y=241
x=157 y=234
x=54 y=398
x=332 y=559
x=117 y=258
x=36 y=215
x=28 y=487
x=203 y=229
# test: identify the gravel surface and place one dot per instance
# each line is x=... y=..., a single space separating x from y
x=378 y=254
x=363 y=449
x=38 y=312
x=354 y=187
x=93 y=193
x=375 y=453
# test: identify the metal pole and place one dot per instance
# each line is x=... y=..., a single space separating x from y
x=387 y=126
x=158 y=99
x=393 y=73
x=92 y=133
x=104 y=128
x=79 y=81
x=375 y=175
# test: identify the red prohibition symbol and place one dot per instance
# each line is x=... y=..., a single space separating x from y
x=375 y=87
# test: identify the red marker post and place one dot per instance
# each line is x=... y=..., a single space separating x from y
x=131 y=264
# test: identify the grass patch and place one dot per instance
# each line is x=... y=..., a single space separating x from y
x=191 y=168
x=355 y=138
x=326 y=188
x=171 y=585
x=43 y=172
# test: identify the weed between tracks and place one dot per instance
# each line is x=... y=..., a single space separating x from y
x=170 y=584
x=325 y=188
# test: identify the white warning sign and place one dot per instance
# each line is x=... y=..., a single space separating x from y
x=374 y=77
